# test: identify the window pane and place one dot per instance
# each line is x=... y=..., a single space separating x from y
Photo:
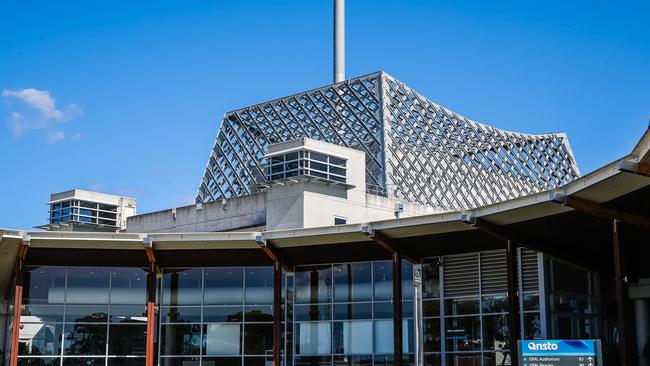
x=182 y=287
x=407 y=280
x=257 y=361
x=461 y=306
x=40 y=339
x=532 y=326
x=85 y=339
x=48 y=361
x=127 y=339
x=180 y=339
x=222 y=339
x=432 y=360
x=531 y=302
x=314 y=285
x=430 y=279
x=496 y=358
x=353 y=311
x=84 y=361
x=87 y=286
x=383 y=310
x=224 y=286
x=260 y=313
x=44 y=285
x=431 y=308
x=180 y=314
x=353 y=337
x=463 y=334
x=313 y=361
x=221 y=313
x=383 y=280
x=86 y=313
x=259 y=285
x=431 y=335
x=467 y=359
x=313 y=338
x=384 y=336
x=352 y=282
x=495 y=332
x=123 y=361
x=312 y=312
x=128 y=314
x=128 y=286
x=42 y=313
x=494 y=304
x=258 y=339
x=220 y=361
x=180 y=361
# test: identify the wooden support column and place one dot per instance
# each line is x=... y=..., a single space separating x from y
x=278 y=265
x=18 y=300
x=513 y=301
x=150 y=353
x=626 y=336
x=397 y=308
x=277 y=313
x=598 y=210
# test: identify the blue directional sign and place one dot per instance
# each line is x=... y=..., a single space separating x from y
x=550 y=352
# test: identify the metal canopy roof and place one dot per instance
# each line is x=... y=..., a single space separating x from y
x=612 y=184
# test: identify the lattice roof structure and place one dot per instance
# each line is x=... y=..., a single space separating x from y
x=415 y=149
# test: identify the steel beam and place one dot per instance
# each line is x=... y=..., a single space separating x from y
x=513 y=301
x=397 y=308
x=387 y=244
x=634 y=168
x=598 y=210
x=626 y=337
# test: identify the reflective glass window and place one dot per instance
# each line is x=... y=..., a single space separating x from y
x=85 y=339
x=258 y=339
x=463 y=333
x=127 y=339
x=314 y=285
x=44 y=285
x=38 y=339
x=128 y=286
x=383 y=280
x=87 y=285
x=174 y=314
x=182 y=287
x=259 y=285
x=222 y=339
x=352 y=282
x=180 y=339
x=223 y=313
x=224 y=286
x=353 y=337
x=313 y=338
x=495 y=332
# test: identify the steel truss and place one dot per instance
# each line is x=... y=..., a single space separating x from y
x=415 y=150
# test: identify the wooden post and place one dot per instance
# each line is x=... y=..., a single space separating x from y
x=18 y=304
x=624 y=326
x=513 y=300
x=151 y=316
x=397 y=308
x=277 y=313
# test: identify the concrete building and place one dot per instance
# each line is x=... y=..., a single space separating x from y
x=80 y=210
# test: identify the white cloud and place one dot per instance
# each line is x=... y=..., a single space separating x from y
x=55 y=137
x=39 y=111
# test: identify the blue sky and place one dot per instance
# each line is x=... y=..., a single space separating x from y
x=125 y=97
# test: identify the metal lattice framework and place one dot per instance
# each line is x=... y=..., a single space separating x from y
x=415 y=150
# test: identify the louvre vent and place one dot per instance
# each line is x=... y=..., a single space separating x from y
x=461 y=275
x=494 y=276
x=567 y=278
x=529 y=270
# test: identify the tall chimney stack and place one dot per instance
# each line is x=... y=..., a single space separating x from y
x=339 y=40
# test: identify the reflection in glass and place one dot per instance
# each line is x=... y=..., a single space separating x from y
x=86 y=313
x=431 y=335
x=430 y=308
x=352 y=282
x=41 y=361
x=463 y=333
x=495 y=332
x=313 y=338
x=83 y=361
x=126 y=361
x=175 y=314
x=465 y=359
x=314 y=285
x=128 y=286
x=259 y=285
x=44 y=285
x=258 y=339
x=180 y=339
x=42 y=313
x=182 y=287
x=354 y=360
x=432 y=360
x=85 y=339
x=222 y=339
x=532 y=326
x=461 y=306
x=130 y=314
x=220 y=313
x=258 y=313
x=353 y=311
x=127 y=339
x=40 y=339
x=87 y=285
x=312 y=312
x=219 y=361
x=353 y=337
x=180 y=361
x=494 y=304
x=224 y=286
x=383 y=280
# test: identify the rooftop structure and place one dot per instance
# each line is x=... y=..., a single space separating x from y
x=415 y=150
x=80 y=210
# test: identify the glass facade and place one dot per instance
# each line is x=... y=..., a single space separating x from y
x=306 y=163
x=83 y=211
x=216 y=316
x=82 y=315
x=336 y=314
x=343 y=314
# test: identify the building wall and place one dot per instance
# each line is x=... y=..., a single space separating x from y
x=243 y=212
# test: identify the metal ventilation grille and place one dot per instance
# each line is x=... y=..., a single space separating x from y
x=567 y=278
x=494 y=275
x=529 y=270
x=461 y=275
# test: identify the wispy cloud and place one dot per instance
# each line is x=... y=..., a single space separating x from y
x=39 y=111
